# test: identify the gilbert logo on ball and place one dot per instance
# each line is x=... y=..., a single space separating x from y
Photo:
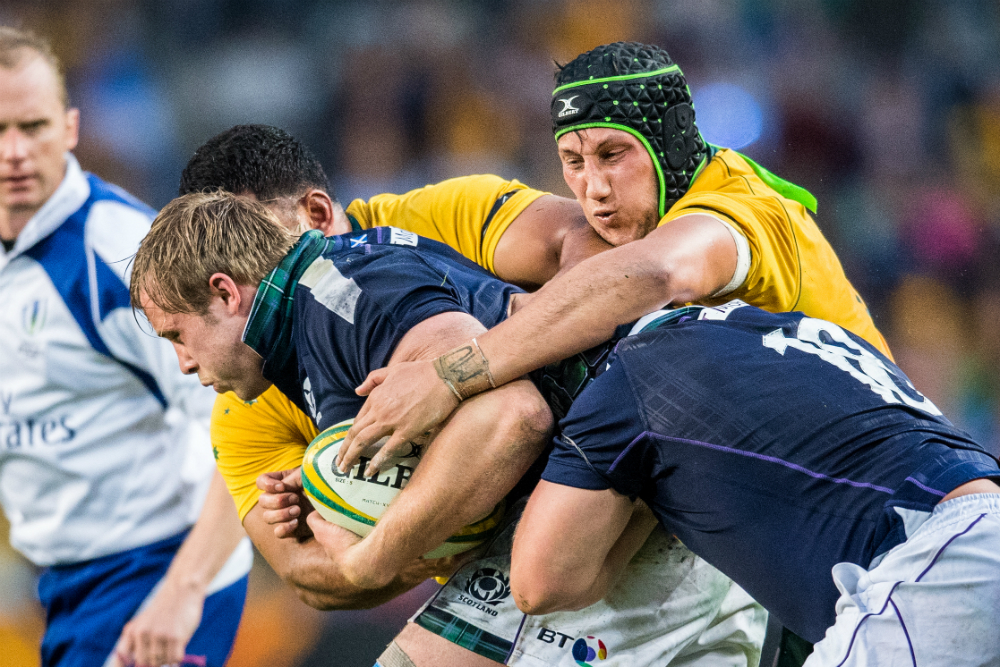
x=356 y=502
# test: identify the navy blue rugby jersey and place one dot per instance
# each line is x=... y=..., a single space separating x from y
x=355 y=303
x=772 y=445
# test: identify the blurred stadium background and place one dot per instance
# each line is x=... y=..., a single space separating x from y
x=887 y=110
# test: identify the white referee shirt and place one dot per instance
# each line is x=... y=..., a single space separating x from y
x=103 y=442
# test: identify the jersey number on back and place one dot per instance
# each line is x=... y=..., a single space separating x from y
x=832 y=344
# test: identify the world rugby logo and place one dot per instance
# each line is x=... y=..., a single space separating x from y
x=488 y=585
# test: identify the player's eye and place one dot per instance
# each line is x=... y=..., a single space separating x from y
x=34 y=127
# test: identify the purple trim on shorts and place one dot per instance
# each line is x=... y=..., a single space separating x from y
x=945 y=546
x=863 y=619
x=906 y=633
x=889 y=598
x=762 y=457
x=926 y=488
x=517 y=635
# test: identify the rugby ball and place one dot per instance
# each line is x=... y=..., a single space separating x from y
x=356 y=502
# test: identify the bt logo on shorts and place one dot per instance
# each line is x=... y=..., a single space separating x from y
x=584 y=651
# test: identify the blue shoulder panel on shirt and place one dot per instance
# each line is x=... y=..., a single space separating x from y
x=64 y=256
x=102 y=191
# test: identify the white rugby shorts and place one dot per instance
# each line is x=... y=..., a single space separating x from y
x=932 y=600
x=669 y=607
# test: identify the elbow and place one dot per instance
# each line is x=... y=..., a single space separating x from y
x=536 y=597
x=528 y=420
x=537 y=590
x=533 y=603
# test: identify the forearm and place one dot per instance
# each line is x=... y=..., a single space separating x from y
x=686 y=260
x=318 y=582
x=575 y=311
x=210 y=543
x=480 y=454
x=555 y=565
x=315 y=575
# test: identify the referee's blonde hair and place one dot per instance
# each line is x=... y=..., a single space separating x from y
x=198 y=235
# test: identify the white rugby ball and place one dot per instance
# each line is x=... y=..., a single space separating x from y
x=355 y=502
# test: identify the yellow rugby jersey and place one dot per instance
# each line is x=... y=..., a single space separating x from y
x=469 y=213
x=792 y=266
x=250 y=438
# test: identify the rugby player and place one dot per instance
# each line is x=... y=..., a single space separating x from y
x=780 y=448
x=521 y=234
x=271 y=433
x=691 y=222
x=357 y=295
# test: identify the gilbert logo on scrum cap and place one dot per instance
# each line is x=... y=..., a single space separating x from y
x=568 y=109
x=571 y=106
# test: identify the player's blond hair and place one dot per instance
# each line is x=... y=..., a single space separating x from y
x=201 y=234
x=17 y=45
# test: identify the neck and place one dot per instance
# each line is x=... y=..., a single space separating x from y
x=341 y=223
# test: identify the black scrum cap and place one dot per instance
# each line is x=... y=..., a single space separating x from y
x=636 y=88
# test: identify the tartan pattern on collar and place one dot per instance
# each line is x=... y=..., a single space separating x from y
x=269 y=328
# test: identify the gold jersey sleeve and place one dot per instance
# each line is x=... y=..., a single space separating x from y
x=469 y=213
x=792 y=265
x=251 y=438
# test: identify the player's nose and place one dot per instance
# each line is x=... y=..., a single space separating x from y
x=13 y=145
x=598 y=186
x=185 y=361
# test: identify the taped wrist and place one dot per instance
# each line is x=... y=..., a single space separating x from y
x=465 y=370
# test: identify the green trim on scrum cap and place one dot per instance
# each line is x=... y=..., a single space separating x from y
x=645 y=142
x=623 y=77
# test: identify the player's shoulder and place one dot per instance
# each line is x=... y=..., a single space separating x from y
x=489 y=185
x=103 y=192
x=369 y=254
x=730 y=174
x=446 y=192
x=727 y=173
x=272 y=408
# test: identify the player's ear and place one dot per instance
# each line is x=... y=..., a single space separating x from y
x=320 y=210
x=225 y=288
x=72 y=128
